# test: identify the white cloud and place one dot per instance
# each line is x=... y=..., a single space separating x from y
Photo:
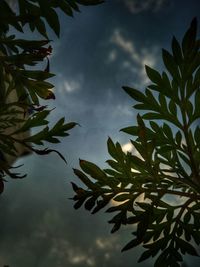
x=149 y=59
x=69 y=85
x=62 y=250
x=128 y=147
x=136 y=59
x=102 y=243
x=122 y=110
x=137 y=6
x=126 y=45
x=75 y=258
x=107 y=243
x=112 y=56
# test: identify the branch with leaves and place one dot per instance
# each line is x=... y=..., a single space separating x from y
x=157 y=189
x=22 y=85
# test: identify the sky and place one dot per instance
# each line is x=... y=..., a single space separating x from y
x=100 y=50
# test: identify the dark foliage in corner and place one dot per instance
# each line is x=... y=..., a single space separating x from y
x=22 y=85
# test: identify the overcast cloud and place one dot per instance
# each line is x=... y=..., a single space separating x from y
x=100 y=50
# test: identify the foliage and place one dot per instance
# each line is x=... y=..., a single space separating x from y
x=22 y=84
x=156 y=189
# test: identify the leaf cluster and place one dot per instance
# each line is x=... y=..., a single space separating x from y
x=23 y=85
x=37 y=14
x=156 y=188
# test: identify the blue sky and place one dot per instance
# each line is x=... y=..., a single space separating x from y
x=100 y=50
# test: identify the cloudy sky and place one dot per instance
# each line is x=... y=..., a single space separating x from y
x=100 y=50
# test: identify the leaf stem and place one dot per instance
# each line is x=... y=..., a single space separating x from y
x=194 y=171
x=160 y=192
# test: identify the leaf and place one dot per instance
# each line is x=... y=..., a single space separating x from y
x=37 y=75
x=135 y=94
x=117 y=220
x=197 y=135
x=101 y=204
x=142 y=227
x=93 y=170
x=133 y=243
x=74 y=186
x=179 y=138
x=47 y=151
x=189 y=37
x=167 y=131
x=132 y=130
x=187 y=217
x=163 y=103
x=89 y=204
x=112 y=149
x=40 y=26
x=162 y=259
x=65 y=7
x=37 y=119
x=79 y=203
x=1 y=186
x=186 y=247
x=172 y=107
x=90 y=2
x=196 y=236
x=50 y=15
x=170 y=65
x=145 y=255
x=153 y=75
x=84 y=178
x=177 y=52
x=122 y=197
x=152 y=116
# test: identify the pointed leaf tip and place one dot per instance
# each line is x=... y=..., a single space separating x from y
x=74 y=186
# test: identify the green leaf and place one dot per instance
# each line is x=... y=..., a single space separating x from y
x=172 y=107
x=101 y=204
x=152 y=116
x=153 y=75
x=187 y=217
x=135 y=94
x=196 y=236
x=186 y=247
x=133 y=243
x=66 y=8
x=145 y=255
x=84 y=178
x=38 y=119
x=179 y=138
x=170 y=64
x=132 y=130
x=167 y=131
x=122 y=197
x=189 y=37
x=177 y=52
x=163 y=103
x=93 y=170
x=40 y=26
x=37 y=75
x=90 y=203
x=112 y=149
x=52 y=19
x=90 y=2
